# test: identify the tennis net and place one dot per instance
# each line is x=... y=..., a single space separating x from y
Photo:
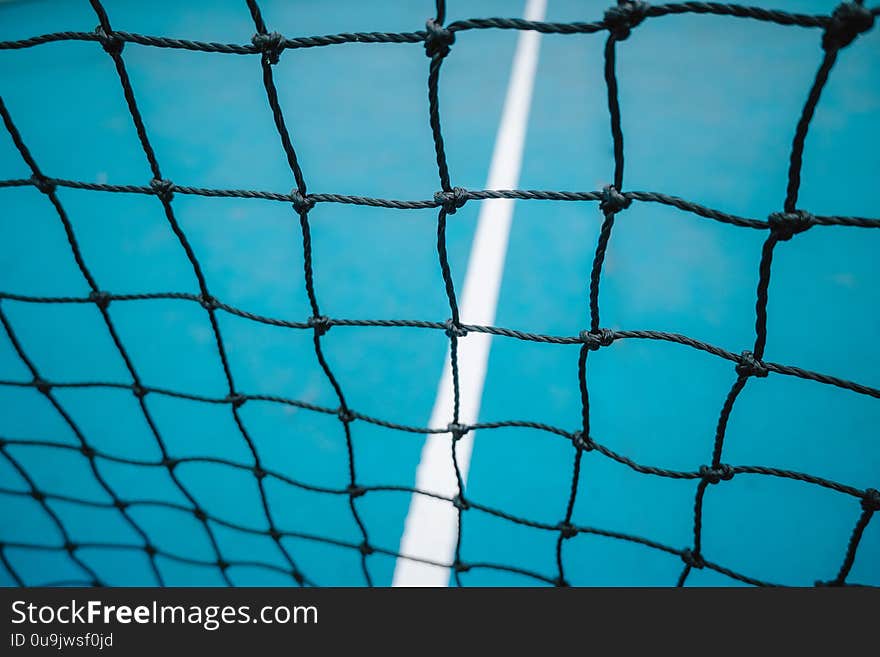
x=838 y=30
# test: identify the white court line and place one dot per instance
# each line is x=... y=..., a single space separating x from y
x=431 y=525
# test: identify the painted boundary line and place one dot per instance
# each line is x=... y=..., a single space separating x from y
x=430 y=530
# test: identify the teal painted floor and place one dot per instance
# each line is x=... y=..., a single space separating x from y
x=709 y=105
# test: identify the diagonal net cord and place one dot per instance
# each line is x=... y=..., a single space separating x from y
x=113 y=46
x=87 y=450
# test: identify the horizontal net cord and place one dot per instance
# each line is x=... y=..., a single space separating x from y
x=586 y=337
x=463 y=567
x=588 y=444
x=711 y=8
x=681 y=553
x=480 y=195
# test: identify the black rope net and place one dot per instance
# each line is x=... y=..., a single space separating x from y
x=839 y=30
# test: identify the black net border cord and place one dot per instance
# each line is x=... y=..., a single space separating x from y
x=838 y=31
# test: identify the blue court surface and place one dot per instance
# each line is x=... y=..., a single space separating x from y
x=709 y=106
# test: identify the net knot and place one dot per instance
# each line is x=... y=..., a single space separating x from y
x=438 y=39
x=356 y=491
x=561 y=582
x=70 y=547
x=871 y=500
x=692 y=559
x=567 y=530
x=321 y=324
x=100 y=299
x=171 y=463
x=613 y=201
x=259 y=473
x=42 y=385
x=582 y=442
x=785 y=225
x=301 y=203
x=208 y=302
x=87 y=451
x=454 y=330
x=848 y=20
x=150 y=549
x=138 y=391
x=460 y=503
x=43 y=184
x=602 y=337
x=236 y=399
x=39 y=496
x=621 y=18
x=272 y=45
x=274 y=534
x=751 y=366
x=345 y=415
x=457 y=430
x=222 y=565
x=164 y=189
x=200 y=514
x=298 y=577
x=366 y=549
x=122 y=505
x=713 y=475
x=452 y=200
x=110 y=41
x=460 y=567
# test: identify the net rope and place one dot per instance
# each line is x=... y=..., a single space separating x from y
x=839 y=30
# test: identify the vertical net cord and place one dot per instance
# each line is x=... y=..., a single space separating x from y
x=114 y=48
x=582 y=440
x=718 y=471
x=302 y=205
x=437 y=47
x=440 y=11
